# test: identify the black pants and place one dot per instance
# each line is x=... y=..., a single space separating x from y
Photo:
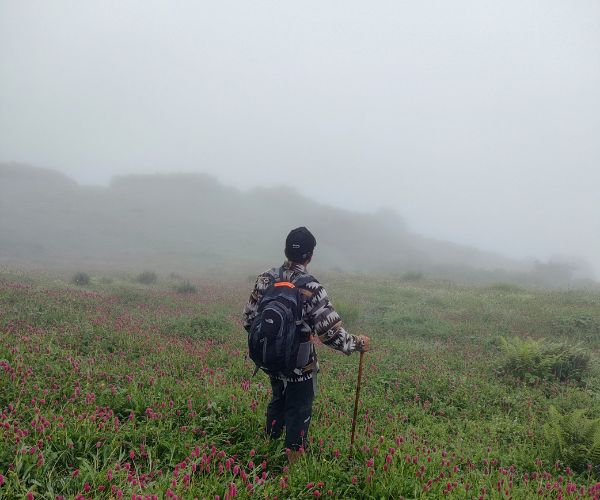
x=290 y=407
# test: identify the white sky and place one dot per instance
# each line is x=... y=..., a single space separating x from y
x=478 y=121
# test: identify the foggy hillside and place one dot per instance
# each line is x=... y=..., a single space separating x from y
x=191 y=222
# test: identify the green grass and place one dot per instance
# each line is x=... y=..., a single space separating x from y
x=94 y=376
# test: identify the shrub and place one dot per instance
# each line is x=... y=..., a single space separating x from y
x=412 y=276
x=531 y=360
x=185 y=287
x=505 y=287
x=574 y=439
x=146 y=278
x=81 y=279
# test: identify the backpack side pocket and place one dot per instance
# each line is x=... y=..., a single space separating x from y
x=304 y=350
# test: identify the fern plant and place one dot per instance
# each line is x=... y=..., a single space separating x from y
x=531 y=360
x=574 y=439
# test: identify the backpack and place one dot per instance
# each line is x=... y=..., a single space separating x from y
x=274 y=342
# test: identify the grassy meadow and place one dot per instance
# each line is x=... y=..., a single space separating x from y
x=117 y=387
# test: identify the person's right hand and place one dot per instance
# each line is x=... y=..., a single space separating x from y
x=363 y=343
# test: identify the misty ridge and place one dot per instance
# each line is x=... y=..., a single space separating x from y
x=192 y=223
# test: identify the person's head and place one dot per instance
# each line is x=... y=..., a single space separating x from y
x=299 y=245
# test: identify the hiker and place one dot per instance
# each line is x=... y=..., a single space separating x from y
x=293 y=384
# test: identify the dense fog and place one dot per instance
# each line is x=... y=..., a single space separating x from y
x=192 y=224
x=435 y=137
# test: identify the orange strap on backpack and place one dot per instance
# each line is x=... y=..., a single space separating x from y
x=285 y=283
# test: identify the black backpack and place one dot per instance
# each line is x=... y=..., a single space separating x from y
x=274 y=341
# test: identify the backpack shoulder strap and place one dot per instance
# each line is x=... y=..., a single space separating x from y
x=272 y=274
x=304 y=280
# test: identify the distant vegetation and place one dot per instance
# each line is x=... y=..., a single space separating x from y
x=146 y=278
x=506 y=287
x=81 y=279
x=192 y=223
x=412 y=276
x=185 y=287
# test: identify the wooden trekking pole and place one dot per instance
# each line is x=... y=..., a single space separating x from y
x=360 y=369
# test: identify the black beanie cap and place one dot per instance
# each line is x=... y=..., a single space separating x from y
x=299 y=244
